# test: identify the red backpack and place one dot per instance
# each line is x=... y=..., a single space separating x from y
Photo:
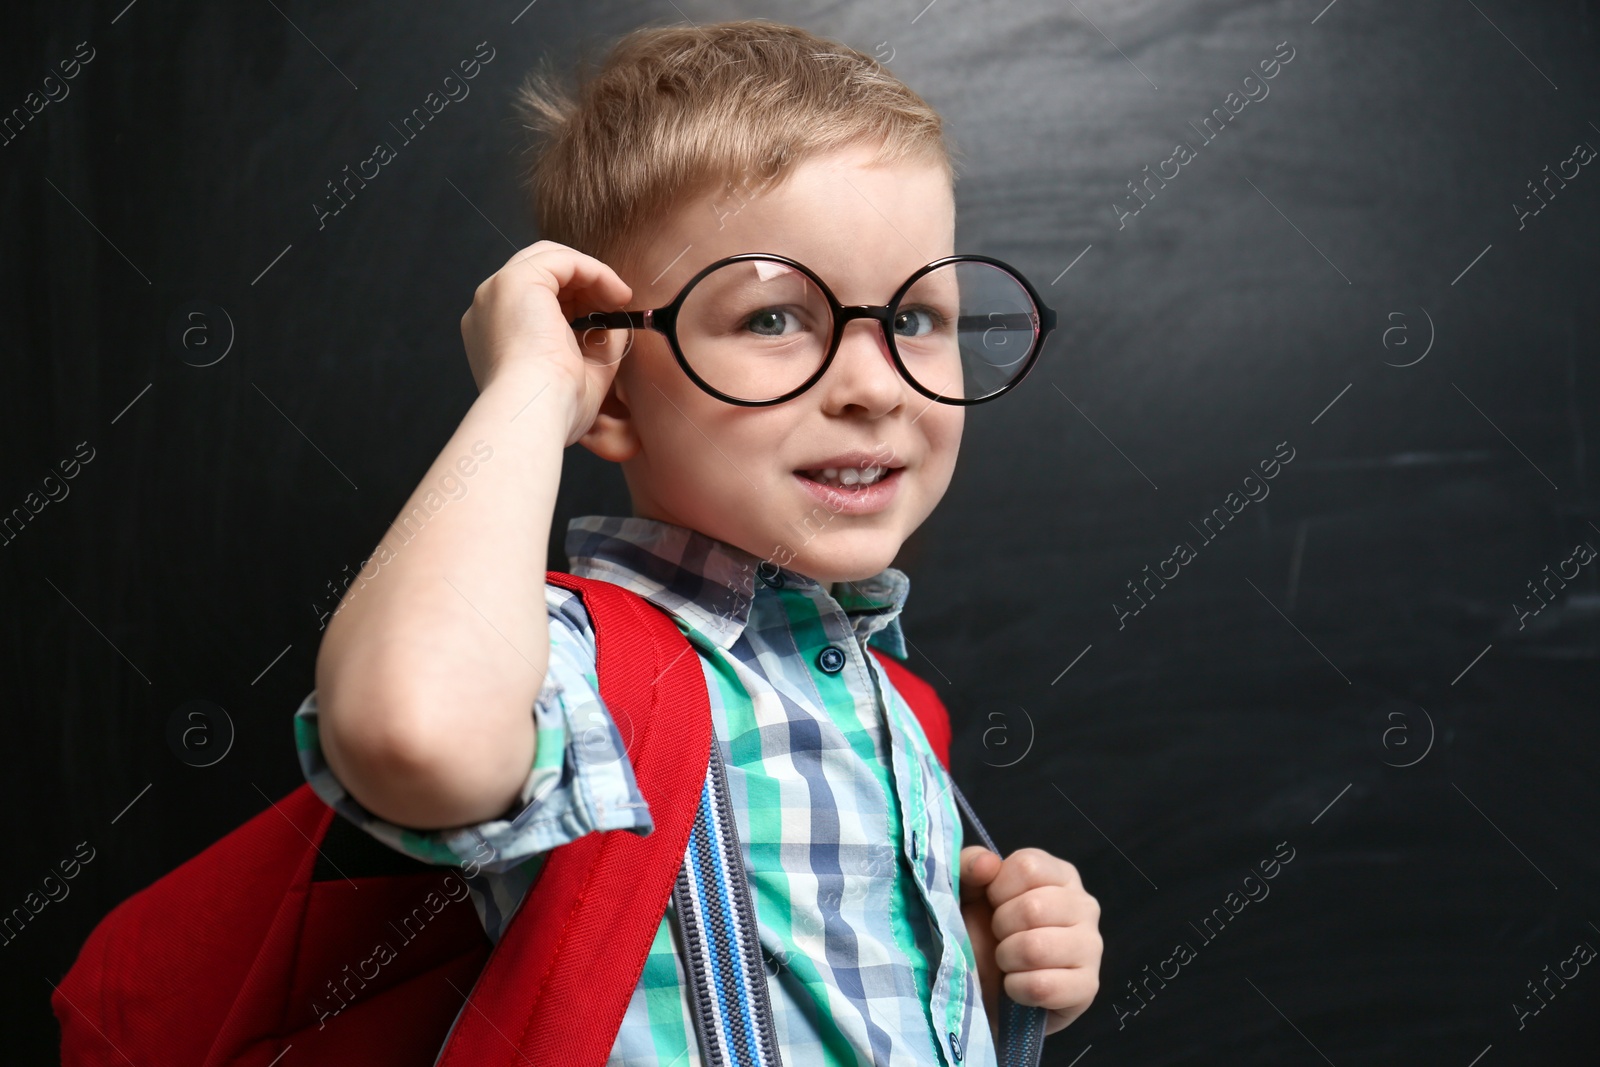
x=218 y=963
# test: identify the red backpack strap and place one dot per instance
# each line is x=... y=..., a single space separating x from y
x=558 y=984
x=924 y=701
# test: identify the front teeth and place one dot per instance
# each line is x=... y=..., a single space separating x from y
x=848 y=476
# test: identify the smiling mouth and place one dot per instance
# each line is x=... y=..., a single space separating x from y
x=849 y=478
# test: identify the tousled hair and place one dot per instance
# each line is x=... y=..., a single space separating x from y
x=722 y=110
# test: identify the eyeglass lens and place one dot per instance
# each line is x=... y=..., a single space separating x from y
x=756 y=329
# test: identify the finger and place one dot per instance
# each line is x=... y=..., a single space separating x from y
x=1048 y=948
x=578 y=299
x=537 y=248
x=979 y=867
x=1055 y=989
x=1050 y=905
x=581 y=281
x=1029 y=868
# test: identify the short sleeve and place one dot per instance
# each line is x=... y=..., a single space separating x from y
x=581 y=779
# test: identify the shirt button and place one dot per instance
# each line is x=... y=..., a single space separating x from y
x=775 y=579
x=831 y=659
x=913 y=844
x=955 y=1046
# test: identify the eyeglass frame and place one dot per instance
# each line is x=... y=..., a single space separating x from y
x=664 y=320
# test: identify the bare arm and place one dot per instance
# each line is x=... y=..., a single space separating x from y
x=428 y=673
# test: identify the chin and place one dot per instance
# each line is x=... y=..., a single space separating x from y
x=847 y=566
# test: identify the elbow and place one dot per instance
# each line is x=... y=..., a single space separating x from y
x=398 y=766
x=378 y=760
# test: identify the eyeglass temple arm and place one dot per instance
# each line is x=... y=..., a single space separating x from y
x=1014 y=320
x=612 y=320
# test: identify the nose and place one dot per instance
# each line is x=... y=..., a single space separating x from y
x=863 y=371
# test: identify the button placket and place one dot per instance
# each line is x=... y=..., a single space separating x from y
x=925 y=806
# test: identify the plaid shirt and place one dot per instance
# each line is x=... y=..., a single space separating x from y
x=849 y=830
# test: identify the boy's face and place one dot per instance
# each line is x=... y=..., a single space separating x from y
x=731 y=472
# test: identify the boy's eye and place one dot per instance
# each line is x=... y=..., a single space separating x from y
x=916 y=322
x=770 y=322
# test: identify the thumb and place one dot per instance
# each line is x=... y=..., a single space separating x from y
x=979 y=867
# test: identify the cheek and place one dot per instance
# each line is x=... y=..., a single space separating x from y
x=665 y=405
x=648 y=360
x=944 y=444
x=715 y=448
x=944 y=435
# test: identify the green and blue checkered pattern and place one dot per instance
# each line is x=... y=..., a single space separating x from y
x=849 y=829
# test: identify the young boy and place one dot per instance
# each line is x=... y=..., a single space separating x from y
x=752 y=526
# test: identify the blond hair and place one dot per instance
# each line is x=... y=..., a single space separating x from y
x=678 y=111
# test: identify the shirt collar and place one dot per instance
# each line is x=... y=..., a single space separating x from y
x=709 y=584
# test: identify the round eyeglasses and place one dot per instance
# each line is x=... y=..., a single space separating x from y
x=758 y=328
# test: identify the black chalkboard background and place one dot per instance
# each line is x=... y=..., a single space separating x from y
x=1349 y=272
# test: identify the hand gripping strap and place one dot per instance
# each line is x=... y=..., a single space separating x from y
x=558 y=983
x=1021 y=1025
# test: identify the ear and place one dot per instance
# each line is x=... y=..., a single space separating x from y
x=613 y=435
